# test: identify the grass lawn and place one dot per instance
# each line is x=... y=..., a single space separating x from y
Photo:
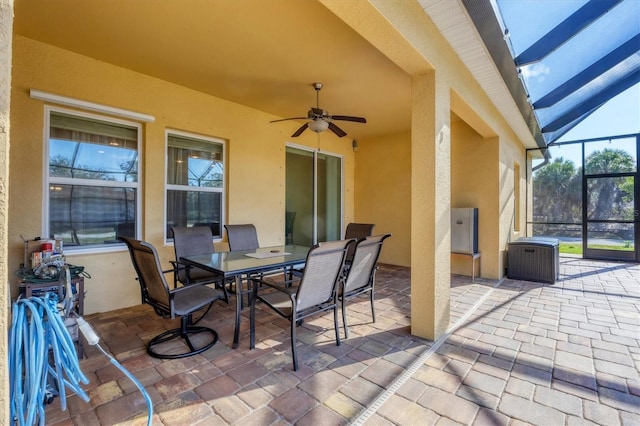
x=576 y=247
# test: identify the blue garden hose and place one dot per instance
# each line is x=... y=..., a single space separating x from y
x=37 y=330
x=43 y=361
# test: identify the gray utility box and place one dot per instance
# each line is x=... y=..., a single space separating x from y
x=534 y=259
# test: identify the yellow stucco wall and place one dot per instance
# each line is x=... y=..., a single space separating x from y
x=255 y=157
x=474 y=183
x=383 y=192
x=6 y=25
x=511 y=153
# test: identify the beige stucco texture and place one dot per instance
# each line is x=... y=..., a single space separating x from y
x=459 y=151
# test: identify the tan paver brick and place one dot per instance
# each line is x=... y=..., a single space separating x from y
x=402 y=412
x=343 y=405
x=448 y=405
x=528 y=411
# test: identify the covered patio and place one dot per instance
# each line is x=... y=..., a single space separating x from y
x=444 y=129
x=516 y=351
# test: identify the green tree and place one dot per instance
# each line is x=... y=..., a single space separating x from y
x=610 y=197
x=556 y=192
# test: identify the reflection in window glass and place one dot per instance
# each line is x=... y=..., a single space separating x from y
x=92 y=179
x=76 y=152
x=195 y=182
x=88 y=215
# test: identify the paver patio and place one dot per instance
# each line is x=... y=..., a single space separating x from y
x=516 y=353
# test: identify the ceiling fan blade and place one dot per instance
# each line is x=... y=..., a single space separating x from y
x=291 y=118
x=300 y=130
x=337 y=130
x=349 y=118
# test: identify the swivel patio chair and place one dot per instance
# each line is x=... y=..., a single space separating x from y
x=315 y=292
x=180 y=302
x=189 y=241
x=361 y=276
x=359 y=231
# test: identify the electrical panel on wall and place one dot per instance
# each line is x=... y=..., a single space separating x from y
x=464 y=230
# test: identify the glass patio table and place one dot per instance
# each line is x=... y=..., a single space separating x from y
x=237 y=264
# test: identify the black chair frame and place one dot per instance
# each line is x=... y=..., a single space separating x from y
x=360 y=275
x=290 y=294
x=168 y=303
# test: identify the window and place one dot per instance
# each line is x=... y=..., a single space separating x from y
x=195 y=182
x=92 y=180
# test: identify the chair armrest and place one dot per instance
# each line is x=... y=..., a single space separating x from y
x=178 y=266
x=183 y=288
x=283 y=286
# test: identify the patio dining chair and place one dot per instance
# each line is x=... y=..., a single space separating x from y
x=361 y=276
x=242 y=237
x=191 y=241
x=359 y=231
x=180 y=302
x=315 y=292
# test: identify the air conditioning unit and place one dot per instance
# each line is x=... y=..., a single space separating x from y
x=464 y=230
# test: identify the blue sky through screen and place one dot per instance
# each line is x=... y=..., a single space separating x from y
x=619 y=116
x=527 y=21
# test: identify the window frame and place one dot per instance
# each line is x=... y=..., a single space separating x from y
x=173 y=187
x=48 y=180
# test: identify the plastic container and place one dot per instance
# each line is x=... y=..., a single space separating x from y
x=534 y=259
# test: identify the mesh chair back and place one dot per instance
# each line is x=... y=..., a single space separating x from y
x=321 y=273
x=144 y=257
x=242 y=237
x=359 y=231
x=191 y=241
x=364 y=262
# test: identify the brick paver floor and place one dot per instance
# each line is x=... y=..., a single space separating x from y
x=516 y=353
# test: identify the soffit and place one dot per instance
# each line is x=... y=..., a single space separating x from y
x=263 y=54
x=457 y=26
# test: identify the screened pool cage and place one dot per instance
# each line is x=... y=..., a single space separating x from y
x=587 y=195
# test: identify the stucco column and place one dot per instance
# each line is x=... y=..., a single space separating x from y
x=6 y=28
x=430 y=206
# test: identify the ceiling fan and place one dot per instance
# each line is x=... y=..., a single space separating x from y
x=320 y=120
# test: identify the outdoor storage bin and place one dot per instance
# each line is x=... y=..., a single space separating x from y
x=534 y=259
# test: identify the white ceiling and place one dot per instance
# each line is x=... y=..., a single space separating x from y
x=263 y=54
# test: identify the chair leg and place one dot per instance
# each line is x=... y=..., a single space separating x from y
x=344 y=318
x=183 y=332
x=294 y=354
x=336 y=326
x=373 y=310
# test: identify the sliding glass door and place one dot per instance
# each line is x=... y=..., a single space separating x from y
x=313 y=196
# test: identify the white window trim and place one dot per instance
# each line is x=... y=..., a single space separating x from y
x=90 y=106
x=46 y=180
x=167 y=187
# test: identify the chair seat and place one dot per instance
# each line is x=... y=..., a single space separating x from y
x=279 y=301
x=196 y=298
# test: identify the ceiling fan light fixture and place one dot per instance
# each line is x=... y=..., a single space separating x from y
x=318 y=125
